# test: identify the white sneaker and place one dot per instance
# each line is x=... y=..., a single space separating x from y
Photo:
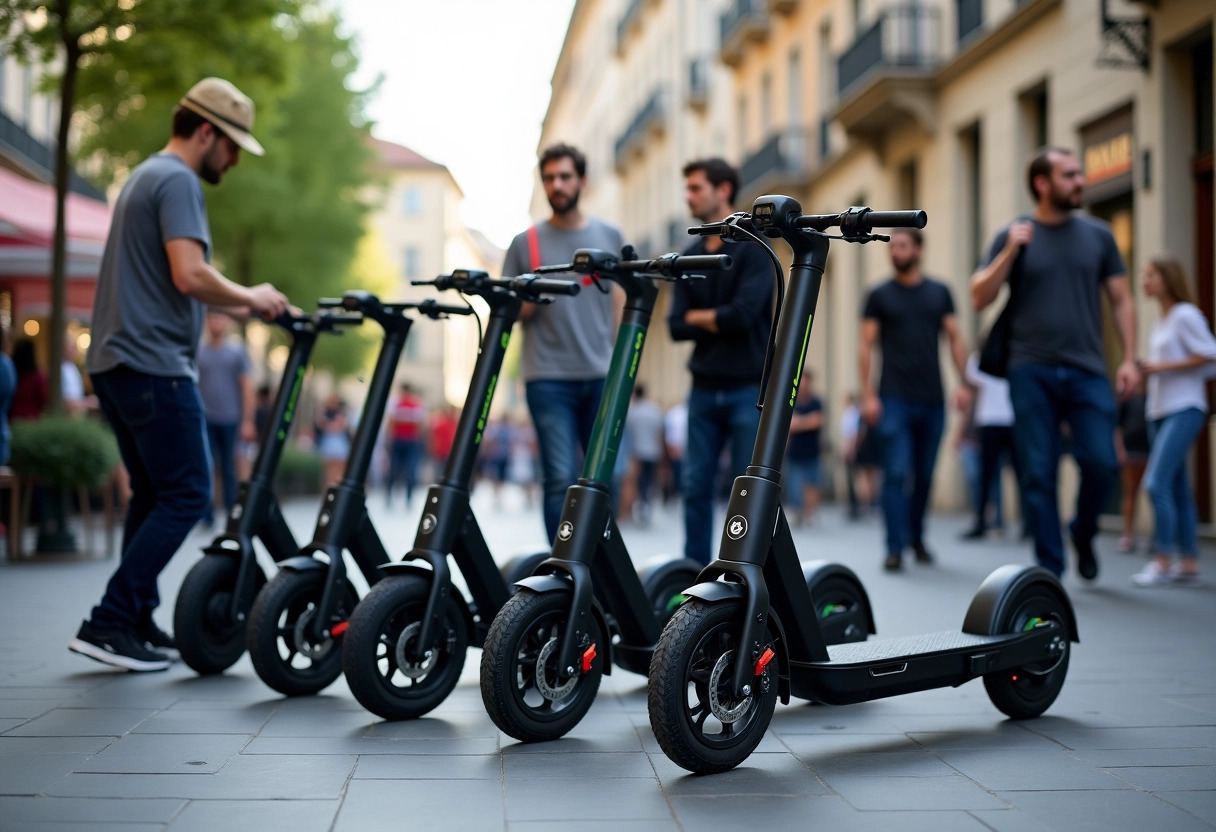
x=1152 y=575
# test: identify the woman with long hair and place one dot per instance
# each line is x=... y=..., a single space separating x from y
x=1181 y=350
x=30 y=399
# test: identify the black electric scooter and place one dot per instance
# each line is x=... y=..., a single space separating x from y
x=586 y=607
x=405 y=647
x=297 y=618
x=746 y=635
x=215 y=596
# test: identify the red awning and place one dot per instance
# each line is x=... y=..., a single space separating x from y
x=27 y=213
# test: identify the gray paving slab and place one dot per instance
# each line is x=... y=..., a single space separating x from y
x=256 y=815
x=166 y=754
x=88 y=810
x=1135 y=723
x=63 y=826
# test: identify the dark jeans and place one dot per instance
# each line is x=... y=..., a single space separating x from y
x=403 y=459
x=161 y=435
x=1043 y=396
x=646 y=471
x=996 y=449
x=910 y=434
x=563 y=413
x=716 y=418
x=221 y=439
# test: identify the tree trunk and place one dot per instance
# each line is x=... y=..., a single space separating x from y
x=59 y=288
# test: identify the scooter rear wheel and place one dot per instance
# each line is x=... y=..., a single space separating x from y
x=665 y=582
x=1026 y=692
x=521 y=566
x=379 y=649
x=279 y=621
x=842 y=608
x=208 y=638
x=699 y=722
x=520 y=683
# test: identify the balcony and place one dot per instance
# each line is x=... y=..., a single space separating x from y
x=970 y=18
x=743 y=21
x=650 y=120
x=633 y=14
x=38 y=159
x=886 y=76
x=698 y=83
x=783 y=164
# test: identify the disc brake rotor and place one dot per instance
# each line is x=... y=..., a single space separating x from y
x=550 y=692
x=718 y=706
x=302 y=644
x=412 y=669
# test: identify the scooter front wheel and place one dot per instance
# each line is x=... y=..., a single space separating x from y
x=284 y=652
x=700 y=723
x=525 y=692
x=209 y=639
x=387 y=670
x=1026 y=692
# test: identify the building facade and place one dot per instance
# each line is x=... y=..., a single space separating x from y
x=937 y=104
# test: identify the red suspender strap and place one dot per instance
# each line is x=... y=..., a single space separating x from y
x=534 y=247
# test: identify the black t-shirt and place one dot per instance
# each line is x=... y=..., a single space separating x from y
x=909 y=328
x=743 y=297
x=804 y=445
x=1057 y=318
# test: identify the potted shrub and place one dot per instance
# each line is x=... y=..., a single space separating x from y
x=300 y=472
x=62 y=454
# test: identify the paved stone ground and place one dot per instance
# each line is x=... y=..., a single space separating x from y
x=1130 y=744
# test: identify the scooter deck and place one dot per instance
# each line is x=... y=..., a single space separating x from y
x=863 y=671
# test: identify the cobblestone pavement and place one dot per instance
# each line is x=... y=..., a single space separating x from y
x=1130 y=744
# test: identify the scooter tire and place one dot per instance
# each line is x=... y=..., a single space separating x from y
x=523 y=640
x=664 y=581
x=842 y=608
x=521 y=566
x=208 y=640
x=373 y=658
x=694 y=660
x=282 y=661
x=1026 y=692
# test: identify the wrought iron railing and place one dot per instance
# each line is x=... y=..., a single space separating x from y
x=905 y=36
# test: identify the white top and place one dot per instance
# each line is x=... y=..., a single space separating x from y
x=676 y=427
x=850 y=424
x=71 y=382
x=993 y=407
x=1181 y=334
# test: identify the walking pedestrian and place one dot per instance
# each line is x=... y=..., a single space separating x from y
x=850 y=431
x=728 y=318
x=993 y=419
x=154 y=280
x=334 y=429
x=644 y=427
x=1182 y=350
x=406 y=421
x=675 y=438
x=906 y=317
x=803 y=472
x=1057 y=263
x=229 y=404
x=567 y=345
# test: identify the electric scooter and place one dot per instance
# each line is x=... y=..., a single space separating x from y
x=215 y=596
x=586 y=607
x=746 y=636
x=297 y=619
x=405 y=647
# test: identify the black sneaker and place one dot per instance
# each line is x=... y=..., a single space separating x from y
x=1087 y=561
x=118 y=648
x=893 y=563
x=976 y=533
x=923 y=555
x=157 y=639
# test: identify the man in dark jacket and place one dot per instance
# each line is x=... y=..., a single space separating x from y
x=727 y=317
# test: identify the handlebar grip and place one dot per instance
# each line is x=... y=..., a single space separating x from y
x=706 y=230
x=430 y=307
x=329 y=303
x=896 y=219
x=545 y=286
x=708 y=262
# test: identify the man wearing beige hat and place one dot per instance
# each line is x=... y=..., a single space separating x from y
x=155 y=284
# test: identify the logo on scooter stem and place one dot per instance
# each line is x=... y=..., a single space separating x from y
x=565 y=530
x=736 y=527
x=428 y=524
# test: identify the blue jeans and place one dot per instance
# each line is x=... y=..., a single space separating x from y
x=1043 y=396
x=715 y=418
x=403 y=459
x=161 y=435
x=910 y=434
x=563 y=413
x=221 y=439
x=800 y=474
x=1175 y=519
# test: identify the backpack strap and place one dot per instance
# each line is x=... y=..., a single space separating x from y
x=534 y=247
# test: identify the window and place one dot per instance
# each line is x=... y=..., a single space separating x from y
x=741 y=125
x=410 y=270
x=766 y=103
x=971 y=209
x=794 y=119
x=411 y=201
x=908 y=185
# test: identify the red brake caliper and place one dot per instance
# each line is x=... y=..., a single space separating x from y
x=588 y=658
x=765 y=658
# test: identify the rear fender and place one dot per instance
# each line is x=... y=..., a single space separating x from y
x=992 y=599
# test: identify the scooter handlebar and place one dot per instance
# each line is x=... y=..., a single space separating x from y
x=532 y=285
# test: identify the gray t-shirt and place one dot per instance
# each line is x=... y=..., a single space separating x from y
x=140 y=319
x=644 y=425
x=1057 y=317
x=220 y=369
x=570 y=339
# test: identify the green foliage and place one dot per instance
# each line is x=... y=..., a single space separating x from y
x=63 y=451
x=300 y=472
